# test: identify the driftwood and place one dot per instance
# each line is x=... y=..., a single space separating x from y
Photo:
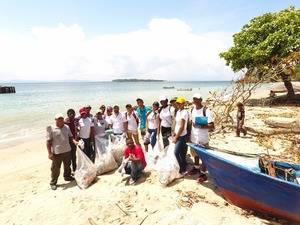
x=269 y=131
x=283 y=122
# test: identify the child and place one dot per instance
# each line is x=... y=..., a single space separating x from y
x=240 y=119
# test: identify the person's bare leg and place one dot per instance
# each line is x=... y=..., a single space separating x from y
x=136 y=139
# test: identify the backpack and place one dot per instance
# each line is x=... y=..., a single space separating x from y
x=135 y=117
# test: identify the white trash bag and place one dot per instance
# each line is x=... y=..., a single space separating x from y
x=168 y=167
x=86 y=171
x=117 y=145
x=153 y=155
x=104 y=159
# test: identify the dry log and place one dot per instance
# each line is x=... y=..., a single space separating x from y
x=269 y=131
x=283 y=122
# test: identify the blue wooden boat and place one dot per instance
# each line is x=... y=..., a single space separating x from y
x=242 y=183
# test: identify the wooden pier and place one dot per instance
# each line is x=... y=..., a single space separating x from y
x=7 y=89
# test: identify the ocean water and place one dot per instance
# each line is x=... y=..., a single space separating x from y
x=25 y=115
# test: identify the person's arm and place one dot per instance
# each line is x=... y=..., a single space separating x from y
x=181 y=128
x=125 y=124
x=49 y=146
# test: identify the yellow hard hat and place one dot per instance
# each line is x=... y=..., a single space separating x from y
x=180 y=99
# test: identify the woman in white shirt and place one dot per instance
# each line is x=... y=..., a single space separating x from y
x=180 y=135
x=152 y=122
x=165 y=120
x=131 y=124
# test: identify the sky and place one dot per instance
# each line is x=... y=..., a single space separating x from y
x=101 y=40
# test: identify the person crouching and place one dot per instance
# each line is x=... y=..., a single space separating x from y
x=134 y=160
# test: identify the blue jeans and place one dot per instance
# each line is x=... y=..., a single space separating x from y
x=153 y=134
x=134 y=168
x=180 y=153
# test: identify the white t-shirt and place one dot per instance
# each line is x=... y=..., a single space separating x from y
x=107 y=118
x=132 y=124
x=85 y=125
x=200 y=135
x=117 y=122
x=166 y=117
x=152 y=119
x=60 y=138
x=181 y=114
x=100 y=126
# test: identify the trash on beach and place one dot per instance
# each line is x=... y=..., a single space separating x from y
x=188 y=198
x=86 y=171
x=153 y=155
x=168 y=167
x=117 y=145
x=104 y=159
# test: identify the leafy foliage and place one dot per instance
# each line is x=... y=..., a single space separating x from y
x=265 y=41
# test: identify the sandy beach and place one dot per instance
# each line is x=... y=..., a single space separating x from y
x=26 y=198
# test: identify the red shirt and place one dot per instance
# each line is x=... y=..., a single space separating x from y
x=137 y=152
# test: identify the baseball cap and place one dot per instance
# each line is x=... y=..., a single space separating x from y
x=82 y=111
x=180 y=99
x=173 y=99
x=163 y=98
x=59 y=115
x=197 y=95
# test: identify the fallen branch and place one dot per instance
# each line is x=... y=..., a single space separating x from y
x=125 y=213
x=147 y=217
x=270 y=131
x=91 y=221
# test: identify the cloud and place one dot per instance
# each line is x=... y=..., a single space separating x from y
x=166 y=49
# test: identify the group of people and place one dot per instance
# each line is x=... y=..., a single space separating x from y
x=168 y=120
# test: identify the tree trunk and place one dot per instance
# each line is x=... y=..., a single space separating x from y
x=288 y=85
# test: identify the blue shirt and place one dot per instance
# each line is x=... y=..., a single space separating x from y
x=141 y=113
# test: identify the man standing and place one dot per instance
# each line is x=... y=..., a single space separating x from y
x=116 y=121
x=59 y=149
x=71 y=122
x=142 y=111
x=135 y=160
x=86 y=132
x=165 y=120
x=200 y=124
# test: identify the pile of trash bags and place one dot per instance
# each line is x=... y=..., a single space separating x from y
x=108 y=155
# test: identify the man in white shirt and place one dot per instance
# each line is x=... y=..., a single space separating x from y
x=165 y=120
x=86 y=132
x=201 y=123
x=116 y=121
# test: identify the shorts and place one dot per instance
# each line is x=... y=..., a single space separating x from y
x=135 y=132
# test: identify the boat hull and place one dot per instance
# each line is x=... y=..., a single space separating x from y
x=252 y=190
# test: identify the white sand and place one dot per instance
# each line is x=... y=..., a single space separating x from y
x=26 y=198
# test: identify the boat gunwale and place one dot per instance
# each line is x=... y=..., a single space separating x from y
x=244 y=167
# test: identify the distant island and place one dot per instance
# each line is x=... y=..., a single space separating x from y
x=137 y=80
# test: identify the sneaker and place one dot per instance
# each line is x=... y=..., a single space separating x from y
x=53 y=186
x=69 y=178
x=132 y=181
x=193 y=171
x=201 y=178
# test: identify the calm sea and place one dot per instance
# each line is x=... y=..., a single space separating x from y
x=24 y=115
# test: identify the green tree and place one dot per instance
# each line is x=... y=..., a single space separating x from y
x=264 y=45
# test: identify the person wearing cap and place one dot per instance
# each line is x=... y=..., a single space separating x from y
x=116 y=121
x=72 y=123
x=180 y=134
x=131 y=124
x=59 y=150
x=200 y=124
x=152 y=124
x=142 y=111
x=86 y=132
x=165 y=120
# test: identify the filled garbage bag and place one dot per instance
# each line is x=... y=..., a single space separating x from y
x=168 y=167
x=104 y=159
x=117 y=144
x=153 y=155
x=85 y=171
